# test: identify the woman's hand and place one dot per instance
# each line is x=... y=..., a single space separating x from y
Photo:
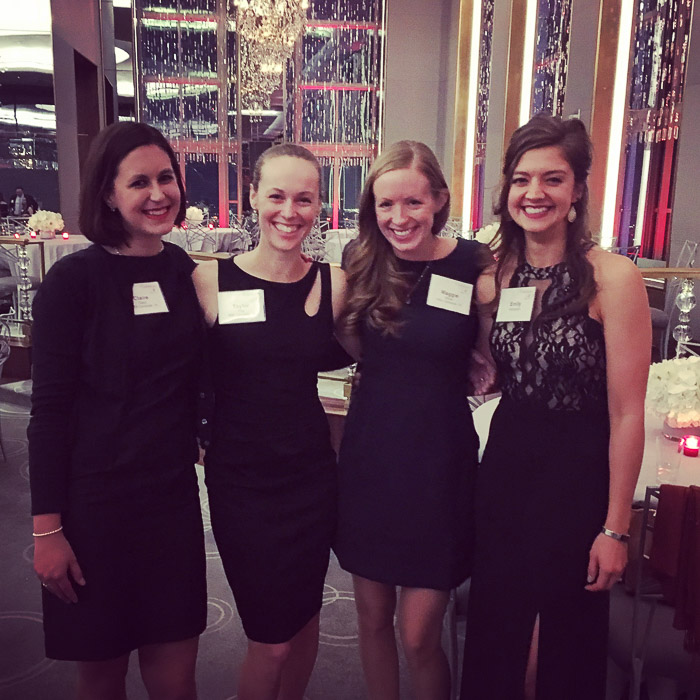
x=482 y=374
x=606 y=562
x=54 y=560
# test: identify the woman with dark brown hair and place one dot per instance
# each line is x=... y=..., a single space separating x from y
x=409 y=452
x=117 y=337
x=571 y=341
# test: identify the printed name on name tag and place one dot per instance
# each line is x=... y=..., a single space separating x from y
x=244 y=306
x=148 y=299
x=449 y=294
x=516 y=304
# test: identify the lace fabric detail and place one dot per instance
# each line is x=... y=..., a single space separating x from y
x=553 y=361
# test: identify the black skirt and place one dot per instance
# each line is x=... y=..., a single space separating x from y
x=542 y=496
x=145 y=574
x=274 y=534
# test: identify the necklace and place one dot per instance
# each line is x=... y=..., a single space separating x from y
x=418 y=281
x=115 y=251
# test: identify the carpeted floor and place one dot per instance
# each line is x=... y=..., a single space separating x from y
x=25 y=674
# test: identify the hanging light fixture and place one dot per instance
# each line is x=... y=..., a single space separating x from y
x=267 y=30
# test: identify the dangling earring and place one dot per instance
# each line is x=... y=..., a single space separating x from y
x=254 y=216
x=571 y=216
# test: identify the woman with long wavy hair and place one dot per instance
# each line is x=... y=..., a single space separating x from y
x=409 y=453
x=571 y=341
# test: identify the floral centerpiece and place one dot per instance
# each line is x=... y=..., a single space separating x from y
x=46 y=223
x=194 y=216
x=488 y=235
x=673 y=392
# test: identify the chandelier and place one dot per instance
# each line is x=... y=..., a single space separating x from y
x=267 y=31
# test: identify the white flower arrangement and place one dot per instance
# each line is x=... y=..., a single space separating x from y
x=44 y=220
x=488 y=234
x=194 y=215
x=673 y=391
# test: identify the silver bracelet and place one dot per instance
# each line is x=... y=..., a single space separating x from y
x=50 y=532
x=615 y=535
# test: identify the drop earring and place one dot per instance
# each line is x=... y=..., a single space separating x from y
x=571 y=216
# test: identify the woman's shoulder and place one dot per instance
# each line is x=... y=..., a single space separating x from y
x=179 y=256
x=611 y=268
x=74 y=268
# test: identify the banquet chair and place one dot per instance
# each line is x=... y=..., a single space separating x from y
x=644 y=648
x=662 y=319
x=455 y=613
x=4 y=355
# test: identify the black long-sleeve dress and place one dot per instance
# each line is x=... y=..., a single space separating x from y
x=112 y=449
x=542 y=497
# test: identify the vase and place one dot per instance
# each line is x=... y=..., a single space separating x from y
x=677 y=433
x=47 y=234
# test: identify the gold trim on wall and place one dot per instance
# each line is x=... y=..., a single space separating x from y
x=514 y=69
x=466 y=12
x=601 y=115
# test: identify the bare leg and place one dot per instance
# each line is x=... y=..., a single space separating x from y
x=102 y=680
x=168 y=669
x=376 y=603
x=300 y=662
x=531 y=670
x=421 y=613
x=261 y=671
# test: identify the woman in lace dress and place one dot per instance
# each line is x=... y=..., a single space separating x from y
x=559 y=471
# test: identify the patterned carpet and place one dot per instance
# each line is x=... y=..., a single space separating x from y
x=25 y=674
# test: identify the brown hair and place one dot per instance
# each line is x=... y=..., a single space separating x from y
x=569 y=135
x=376 y=286
x=285 y=149
x=97 y=221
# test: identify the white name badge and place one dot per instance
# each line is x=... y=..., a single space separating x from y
x=449 y=294
x=244 y=306
x=148 y=299
x=516 y=304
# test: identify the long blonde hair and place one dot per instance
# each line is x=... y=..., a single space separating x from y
x=377 y=287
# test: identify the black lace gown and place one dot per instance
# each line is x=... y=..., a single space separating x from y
x=542 y=498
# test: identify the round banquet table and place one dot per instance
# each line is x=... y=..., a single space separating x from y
x=658 y=452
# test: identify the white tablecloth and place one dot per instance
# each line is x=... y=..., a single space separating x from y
x=54 y=249
x=336 y=240
x=209 y=241
x=661 y=462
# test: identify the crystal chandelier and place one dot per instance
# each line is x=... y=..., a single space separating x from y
x=267 y=31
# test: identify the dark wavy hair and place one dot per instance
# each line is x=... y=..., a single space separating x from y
x=114 y=143
x=570 y=136
x=376 y=286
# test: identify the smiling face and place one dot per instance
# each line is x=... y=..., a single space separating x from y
x=405 y=207
x=287 y=200
x=542 y=190
x=146 y=193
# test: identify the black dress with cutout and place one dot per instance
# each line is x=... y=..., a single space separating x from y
x=270 y=469
x=542 y=497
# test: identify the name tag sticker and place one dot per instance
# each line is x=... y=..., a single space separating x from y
x=451 y=295
x=516 y=304
x=148 y=299
x=244 y=306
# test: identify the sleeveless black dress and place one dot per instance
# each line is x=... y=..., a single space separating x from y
x=270 y=469
x=409 y=452
x=542 y=497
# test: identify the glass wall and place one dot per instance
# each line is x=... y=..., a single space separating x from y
x=193 y=80
x=659 y=54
